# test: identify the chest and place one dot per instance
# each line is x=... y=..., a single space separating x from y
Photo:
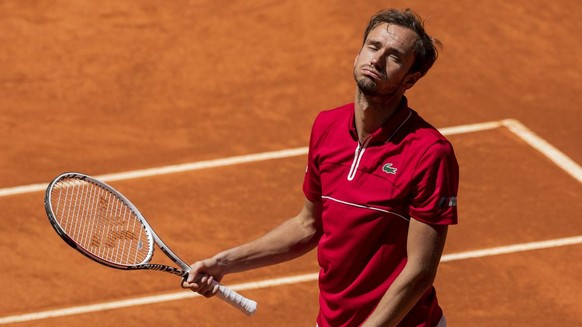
x=369 y=175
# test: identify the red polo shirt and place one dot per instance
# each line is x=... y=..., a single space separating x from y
x=369 y=192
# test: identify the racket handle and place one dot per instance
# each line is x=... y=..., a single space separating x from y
x=238 y=301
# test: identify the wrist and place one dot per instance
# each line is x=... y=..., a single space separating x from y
x=235 y=260
x=225 y=261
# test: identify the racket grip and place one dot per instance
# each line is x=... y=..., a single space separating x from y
x=238 y=301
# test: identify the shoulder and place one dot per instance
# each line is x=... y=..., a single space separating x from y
x=427 y=145
x=428 y=136
x=335 y=115
x=333 y=120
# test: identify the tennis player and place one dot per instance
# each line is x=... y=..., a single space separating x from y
x=380 y=187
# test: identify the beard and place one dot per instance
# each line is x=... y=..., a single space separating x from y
x=367 y=86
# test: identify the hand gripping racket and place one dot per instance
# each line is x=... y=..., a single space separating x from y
x=102 y=224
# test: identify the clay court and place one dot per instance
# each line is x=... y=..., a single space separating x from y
x=200 y=112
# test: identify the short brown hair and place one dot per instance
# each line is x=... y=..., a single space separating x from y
x=425 y=49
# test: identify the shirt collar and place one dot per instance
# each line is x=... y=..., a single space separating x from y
x=390 y=127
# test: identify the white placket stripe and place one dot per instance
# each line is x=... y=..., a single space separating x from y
x=357 y=158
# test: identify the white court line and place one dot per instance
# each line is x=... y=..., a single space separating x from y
x=538 y=143
x=464 y=129
x=273 y=282
x=170 y=169
x=225 y=161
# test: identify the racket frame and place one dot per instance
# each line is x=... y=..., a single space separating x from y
x=245 y=305
x=71 y=242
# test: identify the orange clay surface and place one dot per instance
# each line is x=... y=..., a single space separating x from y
x=114 y=86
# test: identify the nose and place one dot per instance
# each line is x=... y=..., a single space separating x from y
x=376 y=60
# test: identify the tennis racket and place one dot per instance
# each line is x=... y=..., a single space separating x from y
x=102 y=224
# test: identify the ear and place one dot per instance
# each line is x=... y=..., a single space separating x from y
x=411 y=80
x=356 y=60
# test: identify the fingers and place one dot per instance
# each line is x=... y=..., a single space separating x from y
x=204 y=285
x=195 y=270
x=199 y=280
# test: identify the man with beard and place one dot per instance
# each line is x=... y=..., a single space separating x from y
x=380 y=191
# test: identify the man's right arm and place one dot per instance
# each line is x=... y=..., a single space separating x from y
x=289 y=240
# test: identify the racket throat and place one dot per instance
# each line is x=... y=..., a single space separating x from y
x=164 y=268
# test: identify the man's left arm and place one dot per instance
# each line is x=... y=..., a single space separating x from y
x=424 y=247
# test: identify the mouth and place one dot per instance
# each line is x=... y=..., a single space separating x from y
x=372 y=73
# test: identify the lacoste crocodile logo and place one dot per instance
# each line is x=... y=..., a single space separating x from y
x=388 y=169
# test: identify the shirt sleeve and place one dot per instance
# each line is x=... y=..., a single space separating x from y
x=312 y=181
x=436 y=180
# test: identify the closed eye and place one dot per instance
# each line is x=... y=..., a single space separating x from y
x=374 y=45
x=395 y=57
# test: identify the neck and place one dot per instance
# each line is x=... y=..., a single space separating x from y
x=373 y=112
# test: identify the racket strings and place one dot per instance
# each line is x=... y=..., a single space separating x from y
x=100 y=222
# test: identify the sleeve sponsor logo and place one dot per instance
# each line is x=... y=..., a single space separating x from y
x=448 y=201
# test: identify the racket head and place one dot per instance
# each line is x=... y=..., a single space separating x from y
x=98 y=221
